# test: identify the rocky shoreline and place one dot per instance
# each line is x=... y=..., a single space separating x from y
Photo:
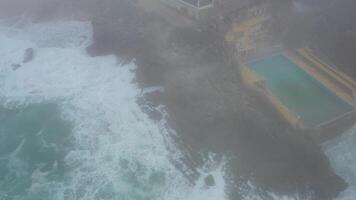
x=208 y=105
x=213 y=112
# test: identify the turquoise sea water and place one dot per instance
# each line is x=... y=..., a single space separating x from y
x=71 y=127
x=301 y=93
x=33 y=139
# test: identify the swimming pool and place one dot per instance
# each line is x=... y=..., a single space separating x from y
x=298 y=91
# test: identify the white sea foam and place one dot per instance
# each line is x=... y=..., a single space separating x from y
x=119 y=152
x=342 y=154
x=251 y=192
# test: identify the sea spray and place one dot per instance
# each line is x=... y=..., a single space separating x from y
x=342 y=154
x=113 y=149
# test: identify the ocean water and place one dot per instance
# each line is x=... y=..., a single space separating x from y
x=71 y=127
x=342 y=154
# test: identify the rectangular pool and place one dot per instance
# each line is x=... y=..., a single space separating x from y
x=298 y=91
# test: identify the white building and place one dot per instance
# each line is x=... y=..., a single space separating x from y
x=205 y=8
x=193 y=8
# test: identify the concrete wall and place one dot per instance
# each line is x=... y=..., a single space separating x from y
x=255 y=82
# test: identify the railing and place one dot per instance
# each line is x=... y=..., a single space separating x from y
x=337 y=126
x=197 y=4
x=335 y=120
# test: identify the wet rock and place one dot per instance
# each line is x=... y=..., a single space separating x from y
x=155 y=115
x=15 y=66
x=209 y=180
x=28 y=56
x=121 y=34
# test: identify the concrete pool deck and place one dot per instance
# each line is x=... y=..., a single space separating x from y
x=313 y=84
x=340 y=84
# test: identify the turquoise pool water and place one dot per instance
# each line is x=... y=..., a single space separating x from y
x=300 y=92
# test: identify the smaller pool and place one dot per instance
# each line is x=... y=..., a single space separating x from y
x=298 y=91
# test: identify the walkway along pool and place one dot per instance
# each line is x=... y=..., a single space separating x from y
x=299 y=92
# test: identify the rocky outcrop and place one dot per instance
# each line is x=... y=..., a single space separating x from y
x=212 y=111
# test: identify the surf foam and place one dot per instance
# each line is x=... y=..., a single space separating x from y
x=342 y=154
x=119 y=152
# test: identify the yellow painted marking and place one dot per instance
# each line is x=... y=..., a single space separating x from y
x=251 y=78
x=327 y=69
x=247 y=24
x=290 y=116
x=242 y=29
x=348 y=78
x=322 y=79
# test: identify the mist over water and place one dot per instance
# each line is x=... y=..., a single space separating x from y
x=72 y=127
x=342 y=154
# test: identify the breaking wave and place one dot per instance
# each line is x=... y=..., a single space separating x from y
x=113 y=149
x=116 y=151
x=342 y=154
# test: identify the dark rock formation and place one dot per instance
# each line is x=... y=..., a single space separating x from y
x=117 y=28
x=15 y=66
x=29 y=55
x=209 y=180
x=210 y=108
